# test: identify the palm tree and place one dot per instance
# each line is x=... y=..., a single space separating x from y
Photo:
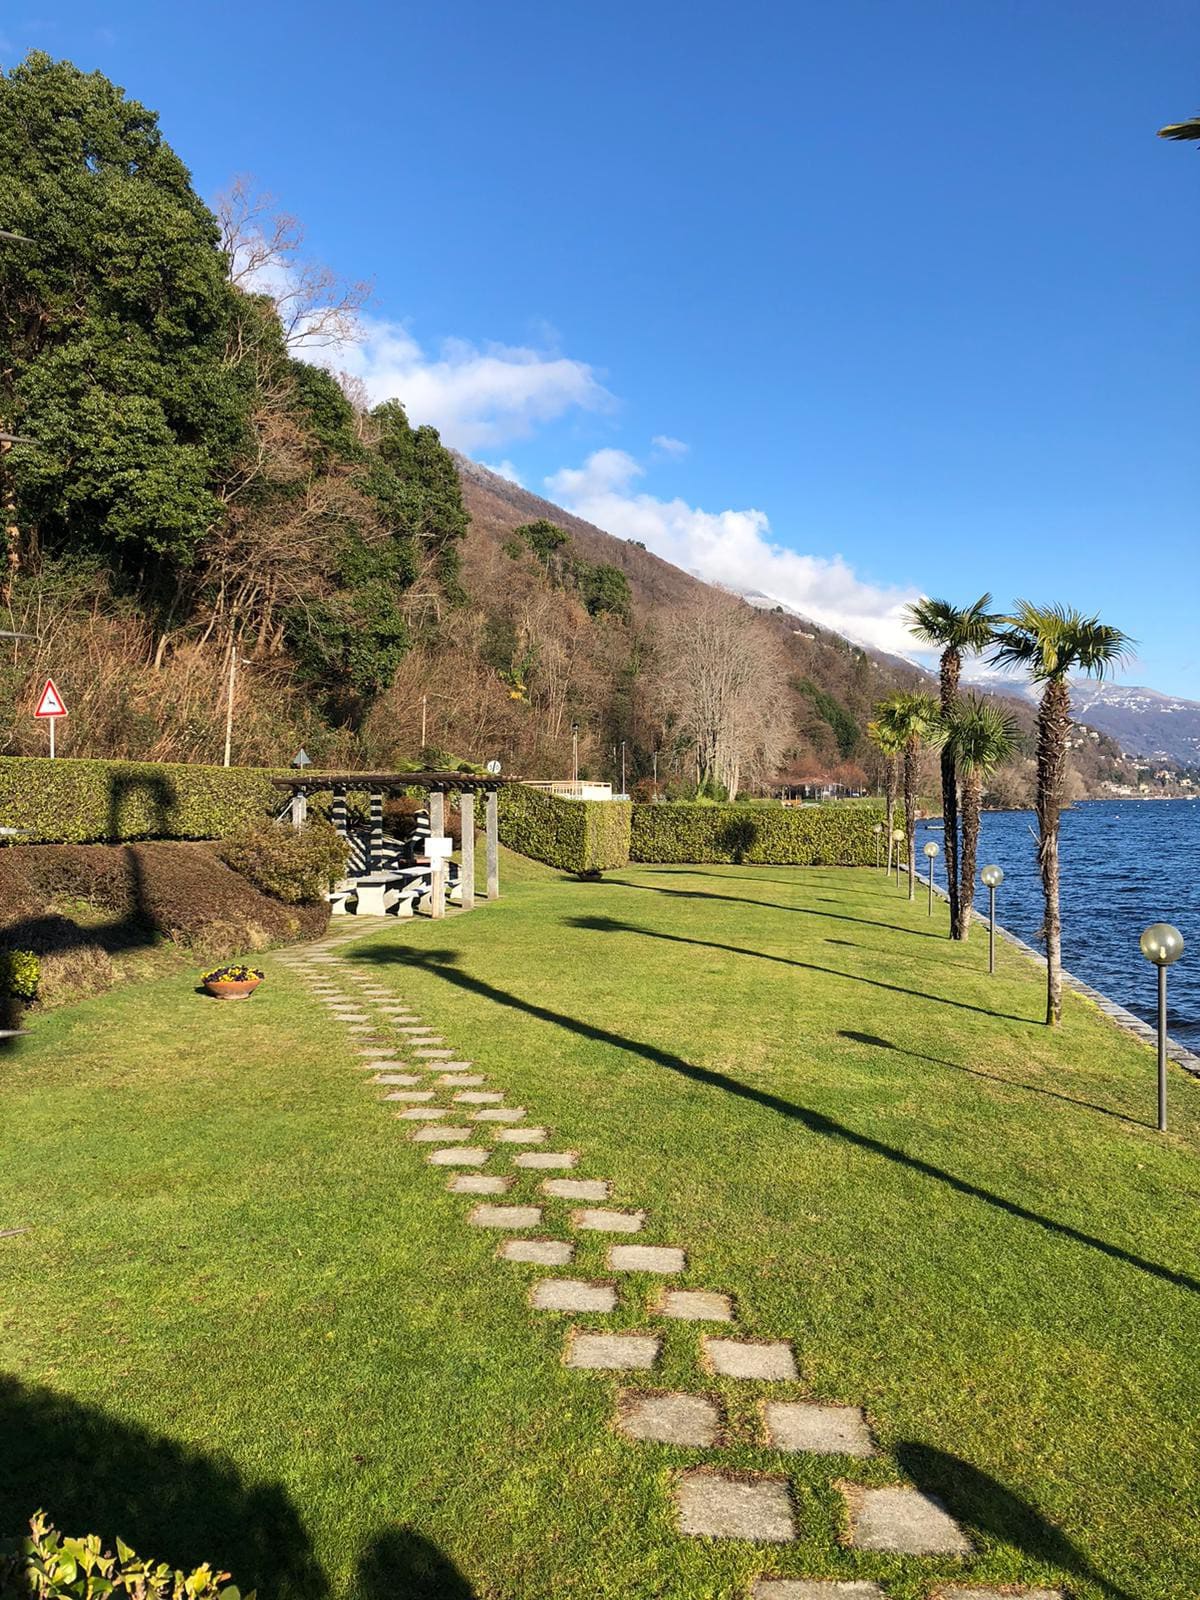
x=983 y=737
x=956 y=630
x=914 y=722
x=1051 y=642
x=886 y=742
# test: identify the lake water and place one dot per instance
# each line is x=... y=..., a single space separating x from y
x=1125 y=864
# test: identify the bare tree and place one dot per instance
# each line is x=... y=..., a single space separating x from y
x=724 y=680
x=264 y=247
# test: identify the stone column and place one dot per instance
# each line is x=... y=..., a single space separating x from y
x=466 y=811
x=299 y=809
x=492 y=816
x=375 y=838
x=437 y=827
x=337 y=811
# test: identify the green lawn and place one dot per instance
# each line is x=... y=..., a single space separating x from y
x=247 y=1321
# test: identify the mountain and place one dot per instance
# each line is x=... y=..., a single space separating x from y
x=1145 y=723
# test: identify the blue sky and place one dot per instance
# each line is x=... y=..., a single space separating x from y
x=904 y=289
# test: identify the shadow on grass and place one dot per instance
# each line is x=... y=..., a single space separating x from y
x=612 y=925
x=441 y=964
x=985 y=1505
x=875 y=1042
x=90 y=1472
x=772 y=905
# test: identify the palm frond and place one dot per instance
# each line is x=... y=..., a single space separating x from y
x=1189 y=130
x=939 y=622
x=1053 y=641
x=982 y=735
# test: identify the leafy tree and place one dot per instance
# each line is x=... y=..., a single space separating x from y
x=845 y=728
x=605 y=588
x=1051 y=642
x=112 y=327
x=544 y=538
x=982 y=736
x=956 y=630
x=415 y=484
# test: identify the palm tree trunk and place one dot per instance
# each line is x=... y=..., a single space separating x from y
x=1054 y=721
x=892 y=785
x=950 y=669
x=911 y=755
x=972 y=805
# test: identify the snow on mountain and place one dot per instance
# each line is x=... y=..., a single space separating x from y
x=1145 y=723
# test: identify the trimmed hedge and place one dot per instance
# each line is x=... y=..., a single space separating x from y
x=812 y=836
x=583 y=836
x=87 y=802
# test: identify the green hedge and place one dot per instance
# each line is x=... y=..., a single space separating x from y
x=812 y=836
x=89 y=802
x=577 y=835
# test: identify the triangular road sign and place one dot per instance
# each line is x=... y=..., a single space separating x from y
x=51 y=704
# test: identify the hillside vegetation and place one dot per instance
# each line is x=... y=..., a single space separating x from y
x=199 y=488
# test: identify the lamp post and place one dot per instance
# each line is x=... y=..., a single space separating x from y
x=931 y=850
x=234 y=662
x=877 y=830
x=992 y=877
x=574 y=752
x=898 y=837
x=1162 y=945
x=622 y=766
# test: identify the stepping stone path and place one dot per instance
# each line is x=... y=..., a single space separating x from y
x=708 y=1503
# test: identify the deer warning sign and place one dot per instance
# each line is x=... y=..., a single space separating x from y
x=51 y=704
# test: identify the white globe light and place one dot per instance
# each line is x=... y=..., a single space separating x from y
x=897 y=834
x=931 y=849
x=992 y=877
x=1162 y=944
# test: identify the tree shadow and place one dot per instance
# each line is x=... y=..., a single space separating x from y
x=612 y=925
x=441 y=964
x=773 y=905
x=877 y=1043
x=92 y=1473
x=985 y=1505
x=401 y=1564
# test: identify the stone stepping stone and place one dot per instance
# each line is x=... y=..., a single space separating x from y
x=452 y=1066
x=499 y=1114
x=747 y=1358
x=438 y=1134
x=683 y=1419
x=458 y=1077
x=405 y=1078
x=461 y=1156
x=695 y=1305
x=798 y=1426
x=506 y=1216
x=819 y=1589
x=959 y=1593
x=479 y=1183
x=413 y=1027
x=576 y=1188
x=378 y=1059
x=546 y=1158
x=478 y=1097
x=903 y=1522
x=715 y=1506
x=422 y=1114
x=570 y=1294
x=432 y=1055
x=521 y=1135
x=645 y=1258
x=613 y=1352
x=593 y=1221
x=350 y=1016
x=537 y=1252
x=409 y=1094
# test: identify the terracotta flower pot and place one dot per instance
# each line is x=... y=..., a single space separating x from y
x=227 y=989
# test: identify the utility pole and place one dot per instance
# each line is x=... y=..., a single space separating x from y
x=229 y=694
x=424 y=709
x=574 y=752
x=622 y=766
x=656 y=774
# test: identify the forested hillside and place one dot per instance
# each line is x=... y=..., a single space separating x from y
x=191 y=489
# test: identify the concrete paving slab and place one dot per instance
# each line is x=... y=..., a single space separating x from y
x=714 y=1506
x=691 y=1420
x=480 y=1183
x=415 y=1095
x=816 y=1589
x=695 y=1305
x=570 y=1294
x=771 y=1362
x=506 y=1216
x=576 y=1188
x=613 y=1352
x=478 y=1097
x=499 y=1114
x=646 y=1258
x=818 y=1430
x=438 y=1133
x=593 y=1220
x=459 y=1156
x=546 y=1158
x=538 y=1252
x=521 y=1135
x=904 y=1522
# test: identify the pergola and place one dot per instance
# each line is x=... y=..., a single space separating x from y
x=438 y=785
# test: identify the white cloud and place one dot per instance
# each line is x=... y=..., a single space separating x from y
x=734 y=548
x=667 y=446
x=504 y=469
x=476 y=396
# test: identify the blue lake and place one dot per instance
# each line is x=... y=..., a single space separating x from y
x=1125 y=864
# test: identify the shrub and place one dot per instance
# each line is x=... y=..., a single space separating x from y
x=20 y=973
x=295 y=865
x=45 y=1566
x=81 y=802
x=583 y=836
x=811 y=836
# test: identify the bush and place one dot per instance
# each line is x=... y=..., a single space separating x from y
x=19 y=974
x=82 y=802
x=295 y=865
x=45 y=1566
x=583 y=836
x=813 y=836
